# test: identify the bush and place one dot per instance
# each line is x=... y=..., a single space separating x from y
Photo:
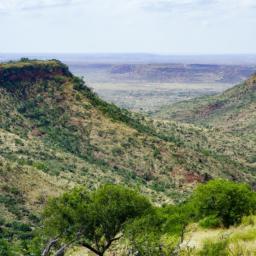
x=226 y=200
x=159 y=232
x=210 y=222
x=7 y=249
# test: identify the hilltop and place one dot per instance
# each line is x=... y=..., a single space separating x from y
x=56 y=133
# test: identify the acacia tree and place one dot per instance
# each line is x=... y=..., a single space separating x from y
x=93 y=220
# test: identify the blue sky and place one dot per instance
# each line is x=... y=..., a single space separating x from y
x=149 y=26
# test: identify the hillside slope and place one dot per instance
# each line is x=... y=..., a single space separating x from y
x=55 y=133
x=234 y=110
x=229 y=119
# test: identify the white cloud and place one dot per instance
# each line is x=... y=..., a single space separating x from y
x=153 y=5
x=9 y=5
x=190 y=5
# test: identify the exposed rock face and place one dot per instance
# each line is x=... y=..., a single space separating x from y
x=30 y=72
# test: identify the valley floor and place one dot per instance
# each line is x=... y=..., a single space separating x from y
x=144 y=96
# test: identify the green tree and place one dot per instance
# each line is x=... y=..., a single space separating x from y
x=160 y=232
x=226 y=200
x=91 y=219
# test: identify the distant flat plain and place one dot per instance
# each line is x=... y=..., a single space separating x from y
x=148 y=87
x=147 y=97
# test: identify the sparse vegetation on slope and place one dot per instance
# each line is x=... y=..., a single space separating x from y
x=55 y=133
x=227 y=120
x=231 y=111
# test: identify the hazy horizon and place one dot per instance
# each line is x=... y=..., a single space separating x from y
x=169 y=27
x=133 y=58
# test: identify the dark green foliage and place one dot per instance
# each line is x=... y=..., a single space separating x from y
x=24 y=59
x=96 y=219
x=210 y=222
x=14 y=203
x=79 y=84
x=227 y=201
x=5 y=248
x=93 y=220
x=8 y=248
x=160 y=231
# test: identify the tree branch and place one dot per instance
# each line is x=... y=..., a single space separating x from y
x=47 y=249
x=111 y=241
x=91 y=248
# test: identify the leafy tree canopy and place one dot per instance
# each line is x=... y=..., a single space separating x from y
x=160 y=232
x=226 y=200
x=92 y=219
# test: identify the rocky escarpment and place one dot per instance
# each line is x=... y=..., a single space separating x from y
x=18 y=76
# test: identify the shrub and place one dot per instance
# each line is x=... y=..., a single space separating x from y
x=5 y=248
x=210 y=222
x=159 y=232
x=226 y=200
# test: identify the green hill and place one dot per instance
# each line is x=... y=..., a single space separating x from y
x=56 y=133
x=231 y=113
x=233 y=110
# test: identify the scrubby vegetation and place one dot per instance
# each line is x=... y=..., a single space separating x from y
x=57 y=134
x=231 y=111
